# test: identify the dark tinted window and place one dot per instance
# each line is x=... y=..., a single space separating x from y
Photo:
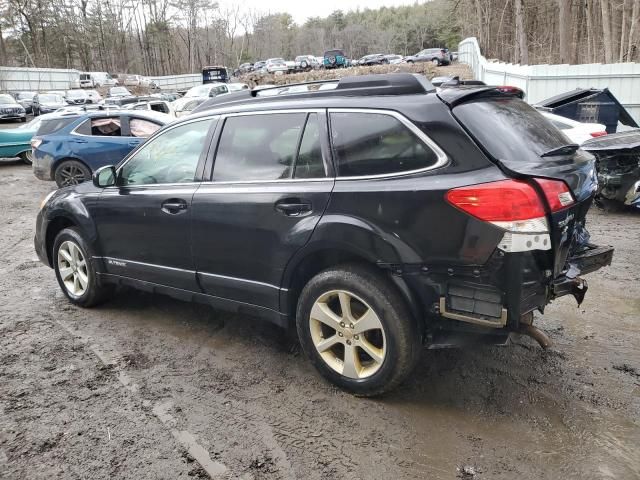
x=376 y=144
x=54 y=124
x=309 y=163
x=258 y=147
x=510 y=129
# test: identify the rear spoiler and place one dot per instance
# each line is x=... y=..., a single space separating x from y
x=458 y=95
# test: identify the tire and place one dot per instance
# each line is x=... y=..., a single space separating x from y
x=393 y=332
x=71 y=172
x=23 y=119
x=73 y=265
x=27 y=157
x=436 y=62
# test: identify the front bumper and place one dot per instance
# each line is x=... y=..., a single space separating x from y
x=13 y=116
x=39 y=240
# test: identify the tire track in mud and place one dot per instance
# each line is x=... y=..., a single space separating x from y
x=213 y=468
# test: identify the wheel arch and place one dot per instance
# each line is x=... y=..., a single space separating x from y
x=318 y=257
x=56 y=163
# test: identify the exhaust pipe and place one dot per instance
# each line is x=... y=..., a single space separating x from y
x=538 y=335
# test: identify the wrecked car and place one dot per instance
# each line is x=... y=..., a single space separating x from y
x=617 y=154
x=429 y=219
x=618 y=166
x=591 y=105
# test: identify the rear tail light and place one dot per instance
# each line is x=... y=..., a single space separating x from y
x=557 y=193
x=516 y=207
x=35 y=142
x=598 y=134
x=503 y=201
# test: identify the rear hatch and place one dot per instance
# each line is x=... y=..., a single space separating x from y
x=525 y=145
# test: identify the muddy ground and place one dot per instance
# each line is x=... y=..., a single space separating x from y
x=146 y=387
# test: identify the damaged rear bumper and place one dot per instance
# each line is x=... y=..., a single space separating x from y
x=500 y=297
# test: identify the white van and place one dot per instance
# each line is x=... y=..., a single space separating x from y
x=103 y=79
x=86 y=81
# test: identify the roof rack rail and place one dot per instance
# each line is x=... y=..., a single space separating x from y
x=362 y=85
x=374 y=84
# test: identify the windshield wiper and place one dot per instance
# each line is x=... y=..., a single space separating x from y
x=563 y=150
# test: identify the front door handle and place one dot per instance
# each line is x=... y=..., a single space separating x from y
x=174 y=206
x=293 y=207
x=134 y=143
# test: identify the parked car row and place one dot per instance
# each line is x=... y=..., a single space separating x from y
x=336 y=58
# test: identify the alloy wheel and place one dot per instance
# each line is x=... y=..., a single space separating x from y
x=73 y=268
x=348 y=334
x=71 y=175
x=29 y=156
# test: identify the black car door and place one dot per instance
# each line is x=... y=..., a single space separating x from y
x=144 y=221
x=271 y=183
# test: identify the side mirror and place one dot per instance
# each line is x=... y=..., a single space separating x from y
x=212 y=93
x=104 y=177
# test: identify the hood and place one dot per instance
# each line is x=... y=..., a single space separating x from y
x=180 y=103
x=13 y=104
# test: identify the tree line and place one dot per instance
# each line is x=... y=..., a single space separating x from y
x=162 y=37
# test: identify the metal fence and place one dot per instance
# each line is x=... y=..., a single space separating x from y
x=544 y=81
x=178 y=82
x=14 y=79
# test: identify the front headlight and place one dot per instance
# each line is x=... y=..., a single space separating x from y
x=46 y=199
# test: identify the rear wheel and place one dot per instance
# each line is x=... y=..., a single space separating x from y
x=74 y=270
x=357 y=330
x=71 y=172
x=27 y=157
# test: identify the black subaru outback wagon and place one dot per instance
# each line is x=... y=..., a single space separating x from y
x=378 y=217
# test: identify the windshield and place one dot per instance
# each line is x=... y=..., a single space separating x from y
x=50 y=99
x=26 y=95
x=32 y=125
x=199 y=91
x=6 y=99
x=76 y=94
x=510 y=129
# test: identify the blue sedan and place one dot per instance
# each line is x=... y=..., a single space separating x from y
x=69 y=148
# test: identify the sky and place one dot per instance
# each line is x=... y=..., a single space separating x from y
x=301 y=10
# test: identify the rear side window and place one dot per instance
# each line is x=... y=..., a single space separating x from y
x=53 y=125
x=376 y=144
x=510 y=129
x=258 y=147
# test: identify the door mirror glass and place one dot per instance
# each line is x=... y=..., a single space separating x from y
x=105 y=177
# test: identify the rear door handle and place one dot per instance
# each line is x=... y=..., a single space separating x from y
x=134 y=143
x=293 y=207
x=174 y=206
x=80 y=140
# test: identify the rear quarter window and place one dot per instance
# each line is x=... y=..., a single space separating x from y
x=366 y=144
x=50 y=126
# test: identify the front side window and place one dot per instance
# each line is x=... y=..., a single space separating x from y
x=258 y=147
x=376 y=144
x=171 y=157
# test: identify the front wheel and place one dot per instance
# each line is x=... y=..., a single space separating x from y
x=357 y=331
x=27 y=157
x=75 y=272
x=71 y=172
x=436 y=62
